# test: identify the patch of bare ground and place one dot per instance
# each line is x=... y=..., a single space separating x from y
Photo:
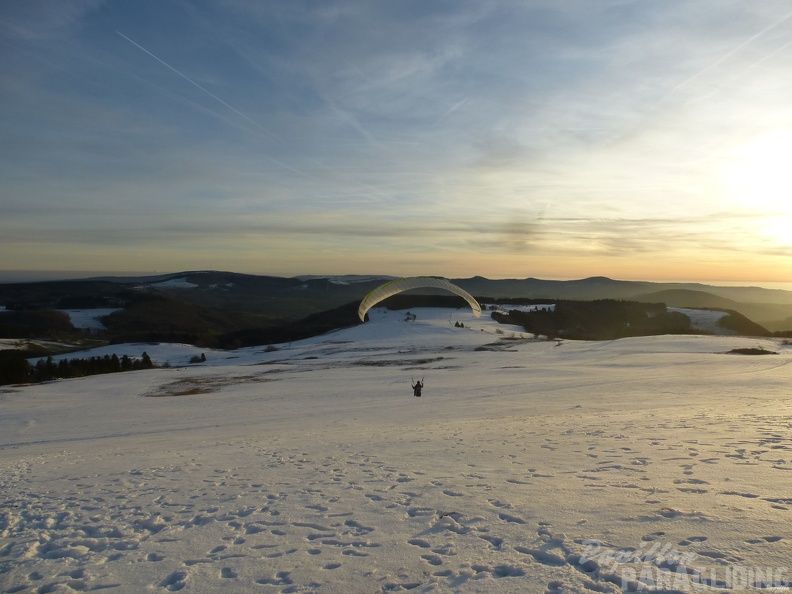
x=751 y=351
x=193 y=386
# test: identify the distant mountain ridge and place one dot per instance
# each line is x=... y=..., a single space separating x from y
x=774 y=316
x=600 y=287
x=687 y=298
x=297 y=297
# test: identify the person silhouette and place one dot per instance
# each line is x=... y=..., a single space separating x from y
x=417 y=387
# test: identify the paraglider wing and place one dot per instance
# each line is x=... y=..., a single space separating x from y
x=415 y=282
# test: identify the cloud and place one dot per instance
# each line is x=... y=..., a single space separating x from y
x=436 y=129
x=42 y=19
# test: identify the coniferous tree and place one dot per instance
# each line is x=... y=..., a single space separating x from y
x=14 y=368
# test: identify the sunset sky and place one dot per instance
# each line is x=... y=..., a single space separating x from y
x=647 y=139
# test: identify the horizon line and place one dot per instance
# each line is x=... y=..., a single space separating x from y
x=33 y=276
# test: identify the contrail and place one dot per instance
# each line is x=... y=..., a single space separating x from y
x=730 y=53
x=696 y=75
x=216 y=98
x=449 y=111
x=192 y=82
x=741 y=73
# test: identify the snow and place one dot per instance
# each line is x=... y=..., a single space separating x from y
x=89 y=319
x=175 y=283
x=705 y=320
x=527 y=466
x=35 y=344
x=523 y=308
x=349 y=279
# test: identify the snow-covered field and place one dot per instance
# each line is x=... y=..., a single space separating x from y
x=527 y=466
x=176 y=283
x=705 y=320
x=89 y=319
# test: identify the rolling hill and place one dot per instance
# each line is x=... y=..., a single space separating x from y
x=226 y=309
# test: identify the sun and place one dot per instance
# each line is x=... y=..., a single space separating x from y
x=758 y=181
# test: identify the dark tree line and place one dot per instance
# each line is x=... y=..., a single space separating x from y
x=602 y=319
x=15 y=369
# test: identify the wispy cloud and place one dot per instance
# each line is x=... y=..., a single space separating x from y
x=36 y=20
x=471 y=134
x=740 y=46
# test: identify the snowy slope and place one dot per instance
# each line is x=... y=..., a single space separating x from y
x=89 y=319
x=528 y=466
x=705 y=320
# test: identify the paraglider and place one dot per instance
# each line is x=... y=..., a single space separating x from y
x=417 y=387
x=415 y=282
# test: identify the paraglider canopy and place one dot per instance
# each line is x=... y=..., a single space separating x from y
x=414 y=282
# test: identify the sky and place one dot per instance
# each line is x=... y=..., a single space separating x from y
x=647 y=139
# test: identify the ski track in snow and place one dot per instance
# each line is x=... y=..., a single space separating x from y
x=318 y=471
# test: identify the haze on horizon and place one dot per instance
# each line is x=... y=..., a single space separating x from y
x=548 y=139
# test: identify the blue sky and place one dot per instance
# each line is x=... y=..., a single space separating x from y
x=633 y=139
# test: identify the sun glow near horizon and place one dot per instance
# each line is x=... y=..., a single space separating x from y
x=620 y=139
x=758 y=181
